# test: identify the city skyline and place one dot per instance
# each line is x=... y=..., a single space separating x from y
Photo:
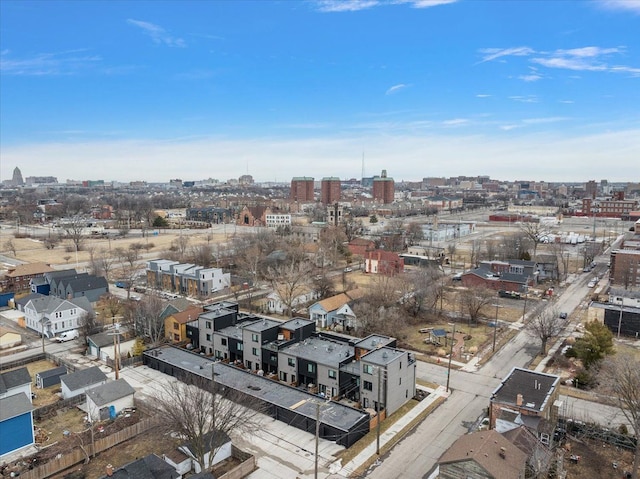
x=422 y=88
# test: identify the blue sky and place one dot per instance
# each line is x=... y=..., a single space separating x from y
x=540 y=90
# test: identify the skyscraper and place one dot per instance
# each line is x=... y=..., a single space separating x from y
x=330 y=190
x=301 y=188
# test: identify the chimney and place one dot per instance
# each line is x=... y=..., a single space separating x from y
x=519 y=400
x=503 y=453
x=109 y=470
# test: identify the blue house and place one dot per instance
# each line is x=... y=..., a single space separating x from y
x=16 y=423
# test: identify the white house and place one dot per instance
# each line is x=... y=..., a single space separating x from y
x=54 y=315
x=276 y=305
x=109 y=399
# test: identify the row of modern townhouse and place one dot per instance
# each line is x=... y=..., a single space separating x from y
x=329 y=364
x=186 y=278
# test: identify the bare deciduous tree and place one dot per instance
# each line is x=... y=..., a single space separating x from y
x=534 y=232
x=545 y=324
x=145 y=317
x=10 y=245
x=289 y=279
x=620 y=378
x=475 y=301
x=88 y=326
x=204 y=415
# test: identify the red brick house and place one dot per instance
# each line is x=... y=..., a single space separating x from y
x=511 y=275
x=360 y=246
x=18 y=277
x=383 y=262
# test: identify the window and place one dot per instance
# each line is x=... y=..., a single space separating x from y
x=176 y=337
x=311 y=368
x=399 y=381
x=240 y=347
x=254 y=351
x=207 y=324
x=283 y=376
x=254 y=338
x=208 y=337
x=332 y=374
x=367 y=368
x=291 y=362
x=224 y=341
x=367 y=385
x=176 y=326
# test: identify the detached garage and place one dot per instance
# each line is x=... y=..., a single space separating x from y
x=106 y=401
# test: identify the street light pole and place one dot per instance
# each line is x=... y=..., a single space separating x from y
x=453 y=336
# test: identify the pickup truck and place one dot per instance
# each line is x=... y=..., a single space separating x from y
x=67 y=336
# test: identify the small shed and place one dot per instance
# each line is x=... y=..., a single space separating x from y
x=109 y=399
x=50 y=377
x=436 y=335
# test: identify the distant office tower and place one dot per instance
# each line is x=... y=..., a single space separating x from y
x=17 y=177
x=302 y=188
x=383 y=188
x=330 y=190
x=591 y=189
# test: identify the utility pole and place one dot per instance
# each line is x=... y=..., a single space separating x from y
x=495 y=328
x=378 y=411
x=315 y=475
x=453 y=336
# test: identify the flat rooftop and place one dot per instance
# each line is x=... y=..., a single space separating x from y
x=382 y=356
x=374 y=341
x=333 y=414
x=296 y=323
x=320 y=350
x=262 y=324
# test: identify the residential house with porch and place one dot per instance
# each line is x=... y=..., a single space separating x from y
x=336 y=311
x=511 y=275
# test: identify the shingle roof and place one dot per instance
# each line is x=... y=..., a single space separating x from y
x=15 y=405
x=187 y=315
x=29 y=269
x=13 y=379
x=334 y=302
x=109 y=392
x=52 y=372
x=149 y=467
x=83 y=378
x=484 y=447
x=102 y=339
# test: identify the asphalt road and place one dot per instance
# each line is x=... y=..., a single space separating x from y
x=417 y=454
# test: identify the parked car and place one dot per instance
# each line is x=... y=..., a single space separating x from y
x=67 y=336
x=592 y=283
x=121 y=284
x=563 y=315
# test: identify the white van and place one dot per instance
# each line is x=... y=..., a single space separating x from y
x=67 y=336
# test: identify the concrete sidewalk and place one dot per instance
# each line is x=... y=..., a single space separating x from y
x=390 y=434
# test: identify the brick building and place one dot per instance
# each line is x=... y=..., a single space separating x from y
x=383 y=188
x=330 y=190
x=301 y=188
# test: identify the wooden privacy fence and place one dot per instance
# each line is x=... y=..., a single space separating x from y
x=76 y=455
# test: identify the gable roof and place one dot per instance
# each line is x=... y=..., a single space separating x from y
x=83 y=378
x=102 y=339
x=149 y=467
x=59 y=371
x=59 y=274
x=49 y=304
x=29 y=269
x=534 y=386
x=188 y=315
x=25 y=299
x=14 y=405
x=108 y=392
x=484 y=447
x=13 y=379
x=84 y=283
x=336 y=302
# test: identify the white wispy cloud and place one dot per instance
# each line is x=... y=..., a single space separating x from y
x=568 y=102
x=539 y=121
x=482 y=95
x=456 y=122
x=396 y=88
x=524 y=99
x=490 y=54
x=509 y=127
x=158 y=34
x=346 y=5
x=589 y=58
x=625 y=5
x=426 y=3
x=356 y=5
x=67 y=62
x=530 y=78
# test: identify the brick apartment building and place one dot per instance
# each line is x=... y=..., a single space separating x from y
x=301 y=189
x=383 y=188
x=330 y=190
